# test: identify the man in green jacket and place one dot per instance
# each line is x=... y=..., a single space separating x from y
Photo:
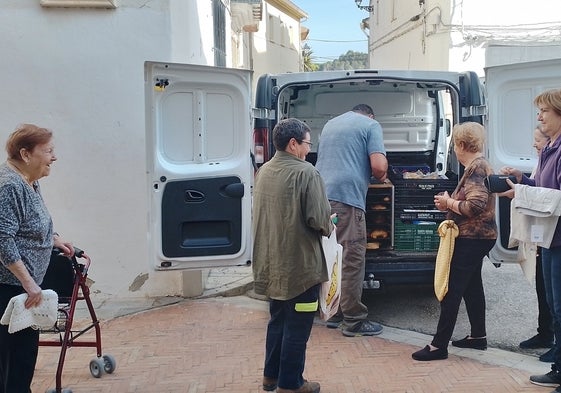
x=290 y=214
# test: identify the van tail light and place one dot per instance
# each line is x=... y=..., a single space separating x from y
x=261 y=145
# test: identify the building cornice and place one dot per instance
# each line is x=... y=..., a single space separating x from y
x=289 y=8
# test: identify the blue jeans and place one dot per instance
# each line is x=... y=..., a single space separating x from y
x=288 y=332
x=545 y=320
x=551 y=265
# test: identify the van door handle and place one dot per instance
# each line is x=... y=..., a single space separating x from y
x=194 y=196
x=235 y=190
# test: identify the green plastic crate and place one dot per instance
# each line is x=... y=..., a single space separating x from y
x=416 y=237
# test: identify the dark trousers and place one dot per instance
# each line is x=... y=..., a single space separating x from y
x=545 y=320
x=464 y=282
x=288 y=332
x=551 y=264
x=18 y=351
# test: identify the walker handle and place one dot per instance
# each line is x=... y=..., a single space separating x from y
x=78 y=253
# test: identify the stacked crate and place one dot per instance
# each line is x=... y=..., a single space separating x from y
x=416 y=218
x=379 y=217
x=416 y=236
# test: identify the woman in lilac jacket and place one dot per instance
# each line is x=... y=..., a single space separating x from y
x=548 y=175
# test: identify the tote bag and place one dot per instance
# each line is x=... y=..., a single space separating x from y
x=330 y=291
x=448 y=232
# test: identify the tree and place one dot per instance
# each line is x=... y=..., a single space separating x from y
x=349 y=61
x=309 y=65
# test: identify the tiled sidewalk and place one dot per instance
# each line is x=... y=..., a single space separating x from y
x=216 y=345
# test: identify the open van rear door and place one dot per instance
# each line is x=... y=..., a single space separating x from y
x=512 y=117
x=198 y=134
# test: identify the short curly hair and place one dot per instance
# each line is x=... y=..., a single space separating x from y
x=471 y=135
x=287 y=129
x=550 y=98
x=26 y=136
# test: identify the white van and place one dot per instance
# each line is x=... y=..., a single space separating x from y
x=202 y=152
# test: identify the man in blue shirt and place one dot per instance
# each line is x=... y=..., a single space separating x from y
x=351 y=151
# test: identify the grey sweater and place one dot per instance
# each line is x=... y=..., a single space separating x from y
x=26 y=228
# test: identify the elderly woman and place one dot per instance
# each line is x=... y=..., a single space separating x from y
x=544 y=338
x=26 y=242
x=289 y=269
x=548 y=175
x=472 y=208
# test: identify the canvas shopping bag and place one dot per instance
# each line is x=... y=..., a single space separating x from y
x=448 y=231
x=330 y=291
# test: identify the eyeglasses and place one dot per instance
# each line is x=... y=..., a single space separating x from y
x=309 y=143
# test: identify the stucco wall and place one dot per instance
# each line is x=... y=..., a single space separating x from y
x=453 y=35
x=80 y=73
x=277 y=43
x=399 y=38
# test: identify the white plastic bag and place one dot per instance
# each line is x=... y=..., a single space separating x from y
x=330 y=291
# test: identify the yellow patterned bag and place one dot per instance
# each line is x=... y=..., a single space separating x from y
x=448 y=231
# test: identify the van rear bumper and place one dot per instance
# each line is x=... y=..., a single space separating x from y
x=405 y=269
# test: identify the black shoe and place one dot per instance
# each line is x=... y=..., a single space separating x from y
x=334 y=322
x=538 y=341
x=552 y=379
x=473 y=343
x=548 y=357
x=426 y=354
x=269 y=384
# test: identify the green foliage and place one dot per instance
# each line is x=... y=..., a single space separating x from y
x=307 y=53
x=349 y=61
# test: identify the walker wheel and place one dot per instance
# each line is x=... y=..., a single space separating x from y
x=109 y=364
x=97 y=366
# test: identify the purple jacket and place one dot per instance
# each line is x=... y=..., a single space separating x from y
x=548 y=175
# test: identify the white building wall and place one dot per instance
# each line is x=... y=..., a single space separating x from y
x=80 y=73
x=480 y=23
x=276 y=45
x=399 y=38
x=191 y=32
x=453 y=34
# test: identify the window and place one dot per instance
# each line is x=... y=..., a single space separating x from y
x=219 y=19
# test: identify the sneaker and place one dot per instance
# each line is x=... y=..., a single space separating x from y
x=307 y=387
x=334 y=322
x=548 y=357
x=364 y=328
x=551 y=379
x=538 y=341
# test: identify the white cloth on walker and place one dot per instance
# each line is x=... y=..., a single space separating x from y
x=532 y=206
x=43 y=316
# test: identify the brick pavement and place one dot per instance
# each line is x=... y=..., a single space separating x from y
x=216 y=345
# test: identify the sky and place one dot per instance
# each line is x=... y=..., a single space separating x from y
x=334 y=27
